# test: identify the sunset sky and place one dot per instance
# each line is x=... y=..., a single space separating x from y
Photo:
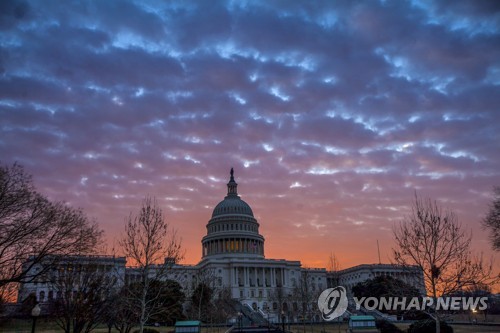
x=332 y=113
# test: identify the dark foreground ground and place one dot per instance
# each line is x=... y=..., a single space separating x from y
x=44 y=326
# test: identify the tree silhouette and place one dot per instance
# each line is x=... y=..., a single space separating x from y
x=153 y=248
x=37 y=233
x=433 y=239
x=492 y=220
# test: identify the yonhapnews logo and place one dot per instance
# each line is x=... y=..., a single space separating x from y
x=452 y=303
x=333 y=302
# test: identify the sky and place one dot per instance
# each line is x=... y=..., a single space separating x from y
x=332 y=113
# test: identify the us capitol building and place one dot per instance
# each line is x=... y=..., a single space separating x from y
x=235 y=248
x=233 y=251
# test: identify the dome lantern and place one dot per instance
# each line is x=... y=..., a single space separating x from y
x=232 y=186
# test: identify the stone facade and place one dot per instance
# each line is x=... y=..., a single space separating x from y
x=45 y=286
x=351 y=276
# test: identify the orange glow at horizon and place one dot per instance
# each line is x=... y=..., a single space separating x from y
x=351 y=247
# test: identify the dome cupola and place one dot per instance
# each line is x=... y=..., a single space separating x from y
x=233 y=230
x=232 y=203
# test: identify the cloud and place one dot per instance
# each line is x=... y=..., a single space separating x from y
x=331 y=113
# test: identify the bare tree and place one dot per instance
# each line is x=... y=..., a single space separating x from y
x=35 y=231
x=433 y=239
x=333 y=267
x=122 y=314
x=223 y=306
x=280 y=296
x=305 y=294
x=203 y=295
x=148 y=241
x=210 y=301
x=492 y=220
x=84 y=287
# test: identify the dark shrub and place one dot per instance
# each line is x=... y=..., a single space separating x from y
x=416 y=315
x=429 y=326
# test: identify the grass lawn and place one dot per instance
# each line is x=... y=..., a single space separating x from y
x=472 y=329
x=464 y=328
x=45 y=326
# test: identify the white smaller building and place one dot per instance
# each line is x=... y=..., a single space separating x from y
x=47 y=287
x=350 y=277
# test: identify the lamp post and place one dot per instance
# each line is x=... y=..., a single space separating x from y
x=474 y=320
x=239 y=321
x=35 y=312
x=283 y=320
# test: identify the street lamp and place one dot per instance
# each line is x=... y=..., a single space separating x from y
x=239 y=320
x=283 y=320
x=35 y=312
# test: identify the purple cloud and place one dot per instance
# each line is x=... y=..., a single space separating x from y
x=331 y=113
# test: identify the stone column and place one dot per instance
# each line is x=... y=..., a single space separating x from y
x=245 y=274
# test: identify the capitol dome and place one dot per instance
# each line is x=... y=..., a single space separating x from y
x=233 y=230
x=232 y=205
